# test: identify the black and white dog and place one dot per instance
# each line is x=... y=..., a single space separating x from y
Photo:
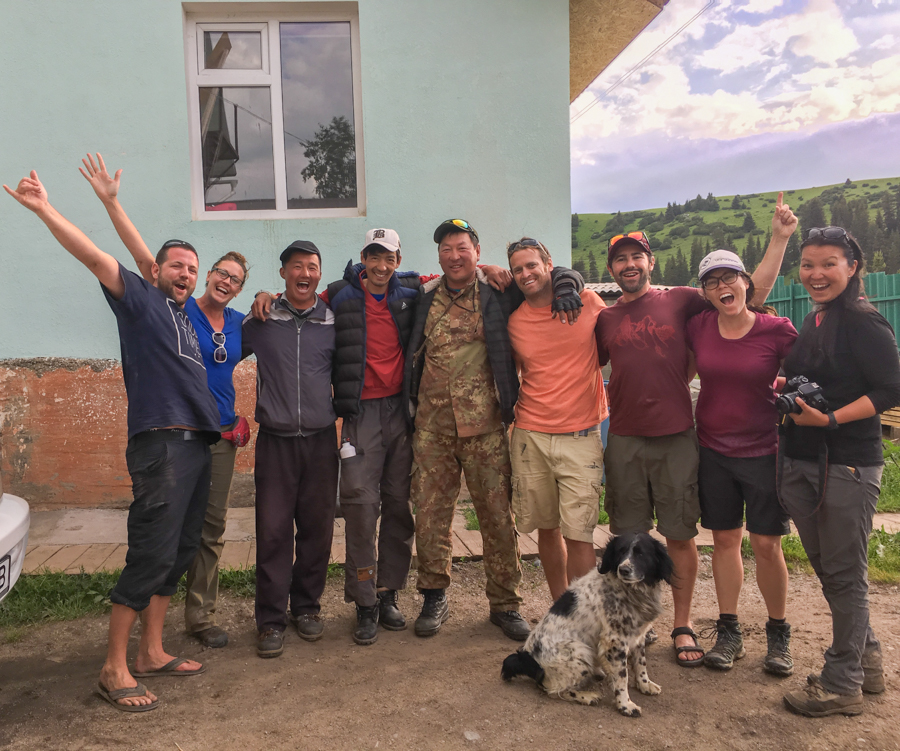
x=598 y=625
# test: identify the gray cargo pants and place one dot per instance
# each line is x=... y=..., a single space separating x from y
x=836 y=539
x=375 y=483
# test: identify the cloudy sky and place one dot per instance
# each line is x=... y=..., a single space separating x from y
x=741 y=96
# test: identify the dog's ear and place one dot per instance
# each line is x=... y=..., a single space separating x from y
x=665 y=568
x=611 y=555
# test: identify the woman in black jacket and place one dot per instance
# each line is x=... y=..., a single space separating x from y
x=833 y=460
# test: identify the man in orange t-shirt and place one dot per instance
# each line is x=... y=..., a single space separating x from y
x=556 y=452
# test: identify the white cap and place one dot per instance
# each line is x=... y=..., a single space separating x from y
x=720 y=259
x=386 y=238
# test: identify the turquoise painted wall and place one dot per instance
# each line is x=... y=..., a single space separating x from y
x=465 y=113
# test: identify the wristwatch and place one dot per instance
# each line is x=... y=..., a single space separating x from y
x=832 y=421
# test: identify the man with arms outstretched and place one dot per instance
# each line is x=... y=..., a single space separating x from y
x=172 y=419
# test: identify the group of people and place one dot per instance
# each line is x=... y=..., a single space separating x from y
x=429 y=372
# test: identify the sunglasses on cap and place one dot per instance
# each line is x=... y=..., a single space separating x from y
x=178 y=244
x=525 y=242
x=445 y=227
x=638 y=237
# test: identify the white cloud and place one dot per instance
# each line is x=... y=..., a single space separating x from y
x=761 y=6
x=887 y=42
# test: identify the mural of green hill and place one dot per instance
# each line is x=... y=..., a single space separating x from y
x=681 y=234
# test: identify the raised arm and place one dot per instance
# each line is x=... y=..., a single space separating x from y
x=32 y=195
x=107 y=190
x=784 y=224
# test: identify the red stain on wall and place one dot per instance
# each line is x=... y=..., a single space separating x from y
x=63 y=432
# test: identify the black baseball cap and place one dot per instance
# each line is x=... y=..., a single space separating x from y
x=299 y=246
x=450 y=226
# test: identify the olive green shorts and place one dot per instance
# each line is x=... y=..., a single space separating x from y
x=653 y=474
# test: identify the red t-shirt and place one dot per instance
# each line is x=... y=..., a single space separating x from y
x=736 y=409
x=644 y=340
x=384 y=355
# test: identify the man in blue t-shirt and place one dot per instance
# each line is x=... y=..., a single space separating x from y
x=172 y=419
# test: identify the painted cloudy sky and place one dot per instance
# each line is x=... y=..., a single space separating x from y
x=753 y=95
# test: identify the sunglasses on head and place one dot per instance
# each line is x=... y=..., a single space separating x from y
x=525 y=242
x=177 y=244
x=457 y=223
x=637 y=236
x=829 y=233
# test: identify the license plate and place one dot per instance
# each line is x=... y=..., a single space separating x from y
x=5 y=572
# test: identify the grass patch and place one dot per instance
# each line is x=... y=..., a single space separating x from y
x=471 y=518
x=884 y=557
x=889 y=500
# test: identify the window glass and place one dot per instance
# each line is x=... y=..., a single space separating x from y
x=319 y=138
x=236 y=140
x=232 y=50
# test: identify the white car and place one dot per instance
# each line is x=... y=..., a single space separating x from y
x=14 y=522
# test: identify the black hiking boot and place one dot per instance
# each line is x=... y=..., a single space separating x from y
x=389 y=614
x=728 y=648
x=435 y=611
x=513 y=625
x=366 y=631
x=778 y=659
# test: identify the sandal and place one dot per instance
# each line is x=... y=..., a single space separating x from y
x=688 y=631
x=113 y=696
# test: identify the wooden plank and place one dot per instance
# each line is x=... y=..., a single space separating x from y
x=601 y=536
x=93 y=558
x=251 y=556
x=116 y=560
x=234 y=555
x=65 y=556
x=470 y=539
x=338 y=551
x=37 y=557
x=528 y=544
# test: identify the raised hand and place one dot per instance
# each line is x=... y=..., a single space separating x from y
x=784 y=222
x=106 y=187
x=30 y=192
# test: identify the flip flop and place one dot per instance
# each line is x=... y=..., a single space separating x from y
x=688 y=631
x=126 y=693
x=170 y=668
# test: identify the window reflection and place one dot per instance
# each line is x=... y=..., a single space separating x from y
x=236 y=140
x=319 y=139
x=232 y=50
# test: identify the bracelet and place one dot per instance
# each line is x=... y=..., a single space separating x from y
x=262 y=292
x=832 y=421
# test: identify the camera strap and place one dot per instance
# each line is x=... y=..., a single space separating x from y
x=779 y=469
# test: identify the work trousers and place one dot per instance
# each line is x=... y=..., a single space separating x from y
x=203 y=574
x=375 y=483
x=296 y=484
x=836 y=540
x=484 y=459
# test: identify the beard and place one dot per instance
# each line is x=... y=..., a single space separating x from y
x=632 y=284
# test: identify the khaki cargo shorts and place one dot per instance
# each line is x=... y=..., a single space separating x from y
x=557 y=481
x=647 y=474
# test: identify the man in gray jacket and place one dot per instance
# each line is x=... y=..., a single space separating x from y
x=296 y=451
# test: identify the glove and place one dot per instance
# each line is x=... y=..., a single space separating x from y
x=240 y=434
x=567 y=301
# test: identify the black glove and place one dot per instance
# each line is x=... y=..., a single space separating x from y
x=566 y=300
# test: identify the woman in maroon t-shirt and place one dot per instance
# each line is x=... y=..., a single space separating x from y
x=739 y=350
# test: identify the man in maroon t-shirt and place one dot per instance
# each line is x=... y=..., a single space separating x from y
x=651 y=454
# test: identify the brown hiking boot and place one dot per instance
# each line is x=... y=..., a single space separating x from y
x=778 y=659
x=815 y=701
x=729 y=646
x=873 y=678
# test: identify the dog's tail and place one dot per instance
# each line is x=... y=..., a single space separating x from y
x=522 y=663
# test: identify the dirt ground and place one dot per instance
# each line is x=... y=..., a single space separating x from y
x=438 y=693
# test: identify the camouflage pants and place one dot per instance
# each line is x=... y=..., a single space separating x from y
x=437 y=461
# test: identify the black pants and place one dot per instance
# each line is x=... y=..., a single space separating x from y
x=170 y=482
x=296 y=483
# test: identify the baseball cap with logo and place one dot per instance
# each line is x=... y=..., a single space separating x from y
x=720 y=259
x=382 y=239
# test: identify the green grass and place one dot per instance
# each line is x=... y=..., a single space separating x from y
x=760 y=205
x=46 y=597
x=889 y=501
x=471 y=518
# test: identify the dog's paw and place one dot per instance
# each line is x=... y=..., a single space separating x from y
x=629 y=709
x=649 y=688
x=588 y=698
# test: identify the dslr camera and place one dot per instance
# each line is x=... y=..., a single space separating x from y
x=809 y=392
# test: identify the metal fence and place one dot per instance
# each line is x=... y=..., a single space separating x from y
x=791 y=300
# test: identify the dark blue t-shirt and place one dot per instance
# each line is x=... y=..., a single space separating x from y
x=161 y=360
x=219 y=375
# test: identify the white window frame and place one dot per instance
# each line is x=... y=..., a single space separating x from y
x=266 y=18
